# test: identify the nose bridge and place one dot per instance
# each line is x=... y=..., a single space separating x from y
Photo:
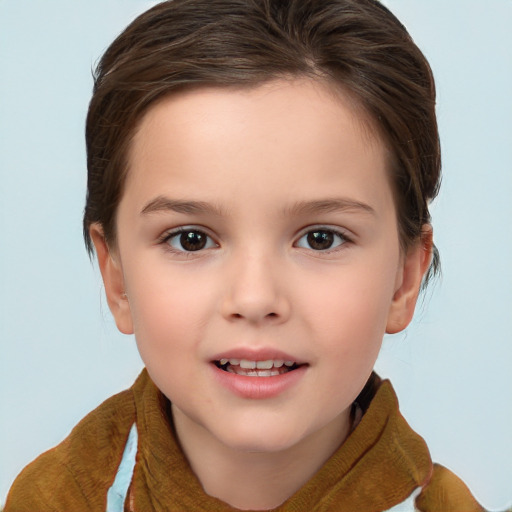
x=255 y=289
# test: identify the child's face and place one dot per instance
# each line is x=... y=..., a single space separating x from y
x=259 y=225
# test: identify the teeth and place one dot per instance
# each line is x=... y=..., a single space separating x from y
x=265 y=365
x=253 y=373
x=246 y=364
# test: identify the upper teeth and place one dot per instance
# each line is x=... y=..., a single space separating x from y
x=260 y=365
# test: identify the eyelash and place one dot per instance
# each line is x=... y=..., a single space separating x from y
x=168 y=236
x=343 y=237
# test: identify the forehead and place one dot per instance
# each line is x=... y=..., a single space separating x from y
x=298 y=97
x=278 y=136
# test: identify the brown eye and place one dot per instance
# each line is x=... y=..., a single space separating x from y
x=321 y=240
x=190 y=240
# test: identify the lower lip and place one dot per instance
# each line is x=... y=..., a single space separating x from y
x=258 y=388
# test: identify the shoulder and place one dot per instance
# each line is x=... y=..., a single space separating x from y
x=445 y=491
x=76 y=474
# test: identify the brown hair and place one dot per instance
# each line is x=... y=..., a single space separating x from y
x=357 y=44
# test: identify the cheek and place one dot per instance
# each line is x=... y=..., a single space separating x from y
x=169 y=316
x=350 y=307
x=169 y=308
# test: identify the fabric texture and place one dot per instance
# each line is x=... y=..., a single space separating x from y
x=380 y=465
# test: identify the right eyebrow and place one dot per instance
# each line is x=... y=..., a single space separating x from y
x=162 y=204
x=330 y=205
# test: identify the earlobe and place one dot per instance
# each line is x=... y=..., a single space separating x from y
x=113 y=280
x=409 y=278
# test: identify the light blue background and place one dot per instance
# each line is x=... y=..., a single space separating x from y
x=60 y=352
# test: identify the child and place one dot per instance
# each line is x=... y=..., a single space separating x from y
x=259 y=180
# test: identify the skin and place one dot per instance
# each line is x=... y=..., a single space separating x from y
x=266 y=161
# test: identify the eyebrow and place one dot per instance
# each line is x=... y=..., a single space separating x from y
x=164 y=204
x=330 y=205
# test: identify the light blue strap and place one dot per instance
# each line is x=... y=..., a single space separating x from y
x=116 y=495
x=408 y=504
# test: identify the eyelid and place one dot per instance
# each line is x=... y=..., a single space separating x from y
x=344 y=232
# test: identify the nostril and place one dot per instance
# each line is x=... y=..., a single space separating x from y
x=268 y=315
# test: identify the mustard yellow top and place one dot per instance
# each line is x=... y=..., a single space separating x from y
x=380 y=465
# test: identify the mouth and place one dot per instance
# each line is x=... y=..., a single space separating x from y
x=248 y=368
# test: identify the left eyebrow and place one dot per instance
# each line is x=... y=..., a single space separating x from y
x=166 y=204
x=329 y=206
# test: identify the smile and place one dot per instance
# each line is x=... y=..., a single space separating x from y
x=248 y=368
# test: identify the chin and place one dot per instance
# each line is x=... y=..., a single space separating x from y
x=261 y=437
x=251 y=445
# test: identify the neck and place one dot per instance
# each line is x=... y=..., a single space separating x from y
x=256 y=480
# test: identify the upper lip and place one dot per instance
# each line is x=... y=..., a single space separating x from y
x=260 y=354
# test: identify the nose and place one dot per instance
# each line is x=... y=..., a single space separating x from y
x=255 y=290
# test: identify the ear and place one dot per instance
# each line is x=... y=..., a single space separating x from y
x=113 y=280
x=413 y=267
